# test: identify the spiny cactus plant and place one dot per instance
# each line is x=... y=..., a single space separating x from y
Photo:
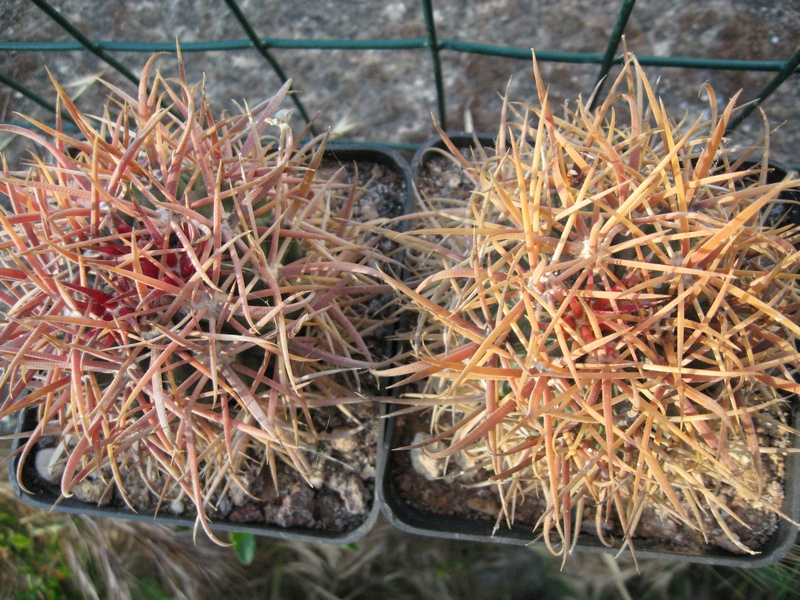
x=180 y=292
x=607 y=322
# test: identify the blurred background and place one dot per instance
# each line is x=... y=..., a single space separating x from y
x=387 y=96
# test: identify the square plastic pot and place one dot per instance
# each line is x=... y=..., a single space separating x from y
x=411 y=519
x=45 y=496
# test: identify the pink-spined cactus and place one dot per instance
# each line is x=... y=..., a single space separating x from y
x=180 y=292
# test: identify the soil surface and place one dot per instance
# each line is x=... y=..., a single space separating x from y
x=460 y=493
x=340 y=500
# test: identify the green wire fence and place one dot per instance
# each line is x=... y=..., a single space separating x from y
x=107 y=51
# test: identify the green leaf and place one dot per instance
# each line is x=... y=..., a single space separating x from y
x=21 y=542
x=244 y=544
x=148 y=589
x=353 y=546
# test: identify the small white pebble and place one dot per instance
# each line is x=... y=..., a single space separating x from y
x=176 y=506
x=46 y=465
x=225 y=505
x=430 y=468
x=370 y=211
x=316 y=479
x=345 y=443
x=464 y=461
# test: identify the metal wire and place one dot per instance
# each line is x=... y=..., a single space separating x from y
x=90 y=45
x=714 y=64
x=611 y=49
x=262 y=48
x=29 y=94
x=788 y=68
x=103 y=49
x=433 y=44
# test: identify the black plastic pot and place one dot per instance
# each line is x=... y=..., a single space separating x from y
x=409 y=518
x=47 y=497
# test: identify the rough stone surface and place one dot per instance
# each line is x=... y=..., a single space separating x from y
x=46 y=465
x=430 y=468
x=351 y=489
x=92 y=491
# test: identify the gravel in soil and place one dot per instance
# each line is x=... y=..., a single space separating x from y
x=340 y=500
x=460 y=493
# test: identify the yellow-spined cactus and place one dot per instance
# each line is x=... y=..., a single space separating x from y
x=610 y=318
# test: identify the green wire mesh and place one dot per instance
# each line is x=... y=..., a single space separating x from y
x=107 y=51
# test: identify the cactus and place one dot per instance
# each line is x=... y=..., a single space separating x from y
x=181 y=292
x=607 y=321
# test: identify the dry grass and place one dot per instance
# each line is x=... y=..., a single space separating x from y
x=123 y=560
x=107 y=558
